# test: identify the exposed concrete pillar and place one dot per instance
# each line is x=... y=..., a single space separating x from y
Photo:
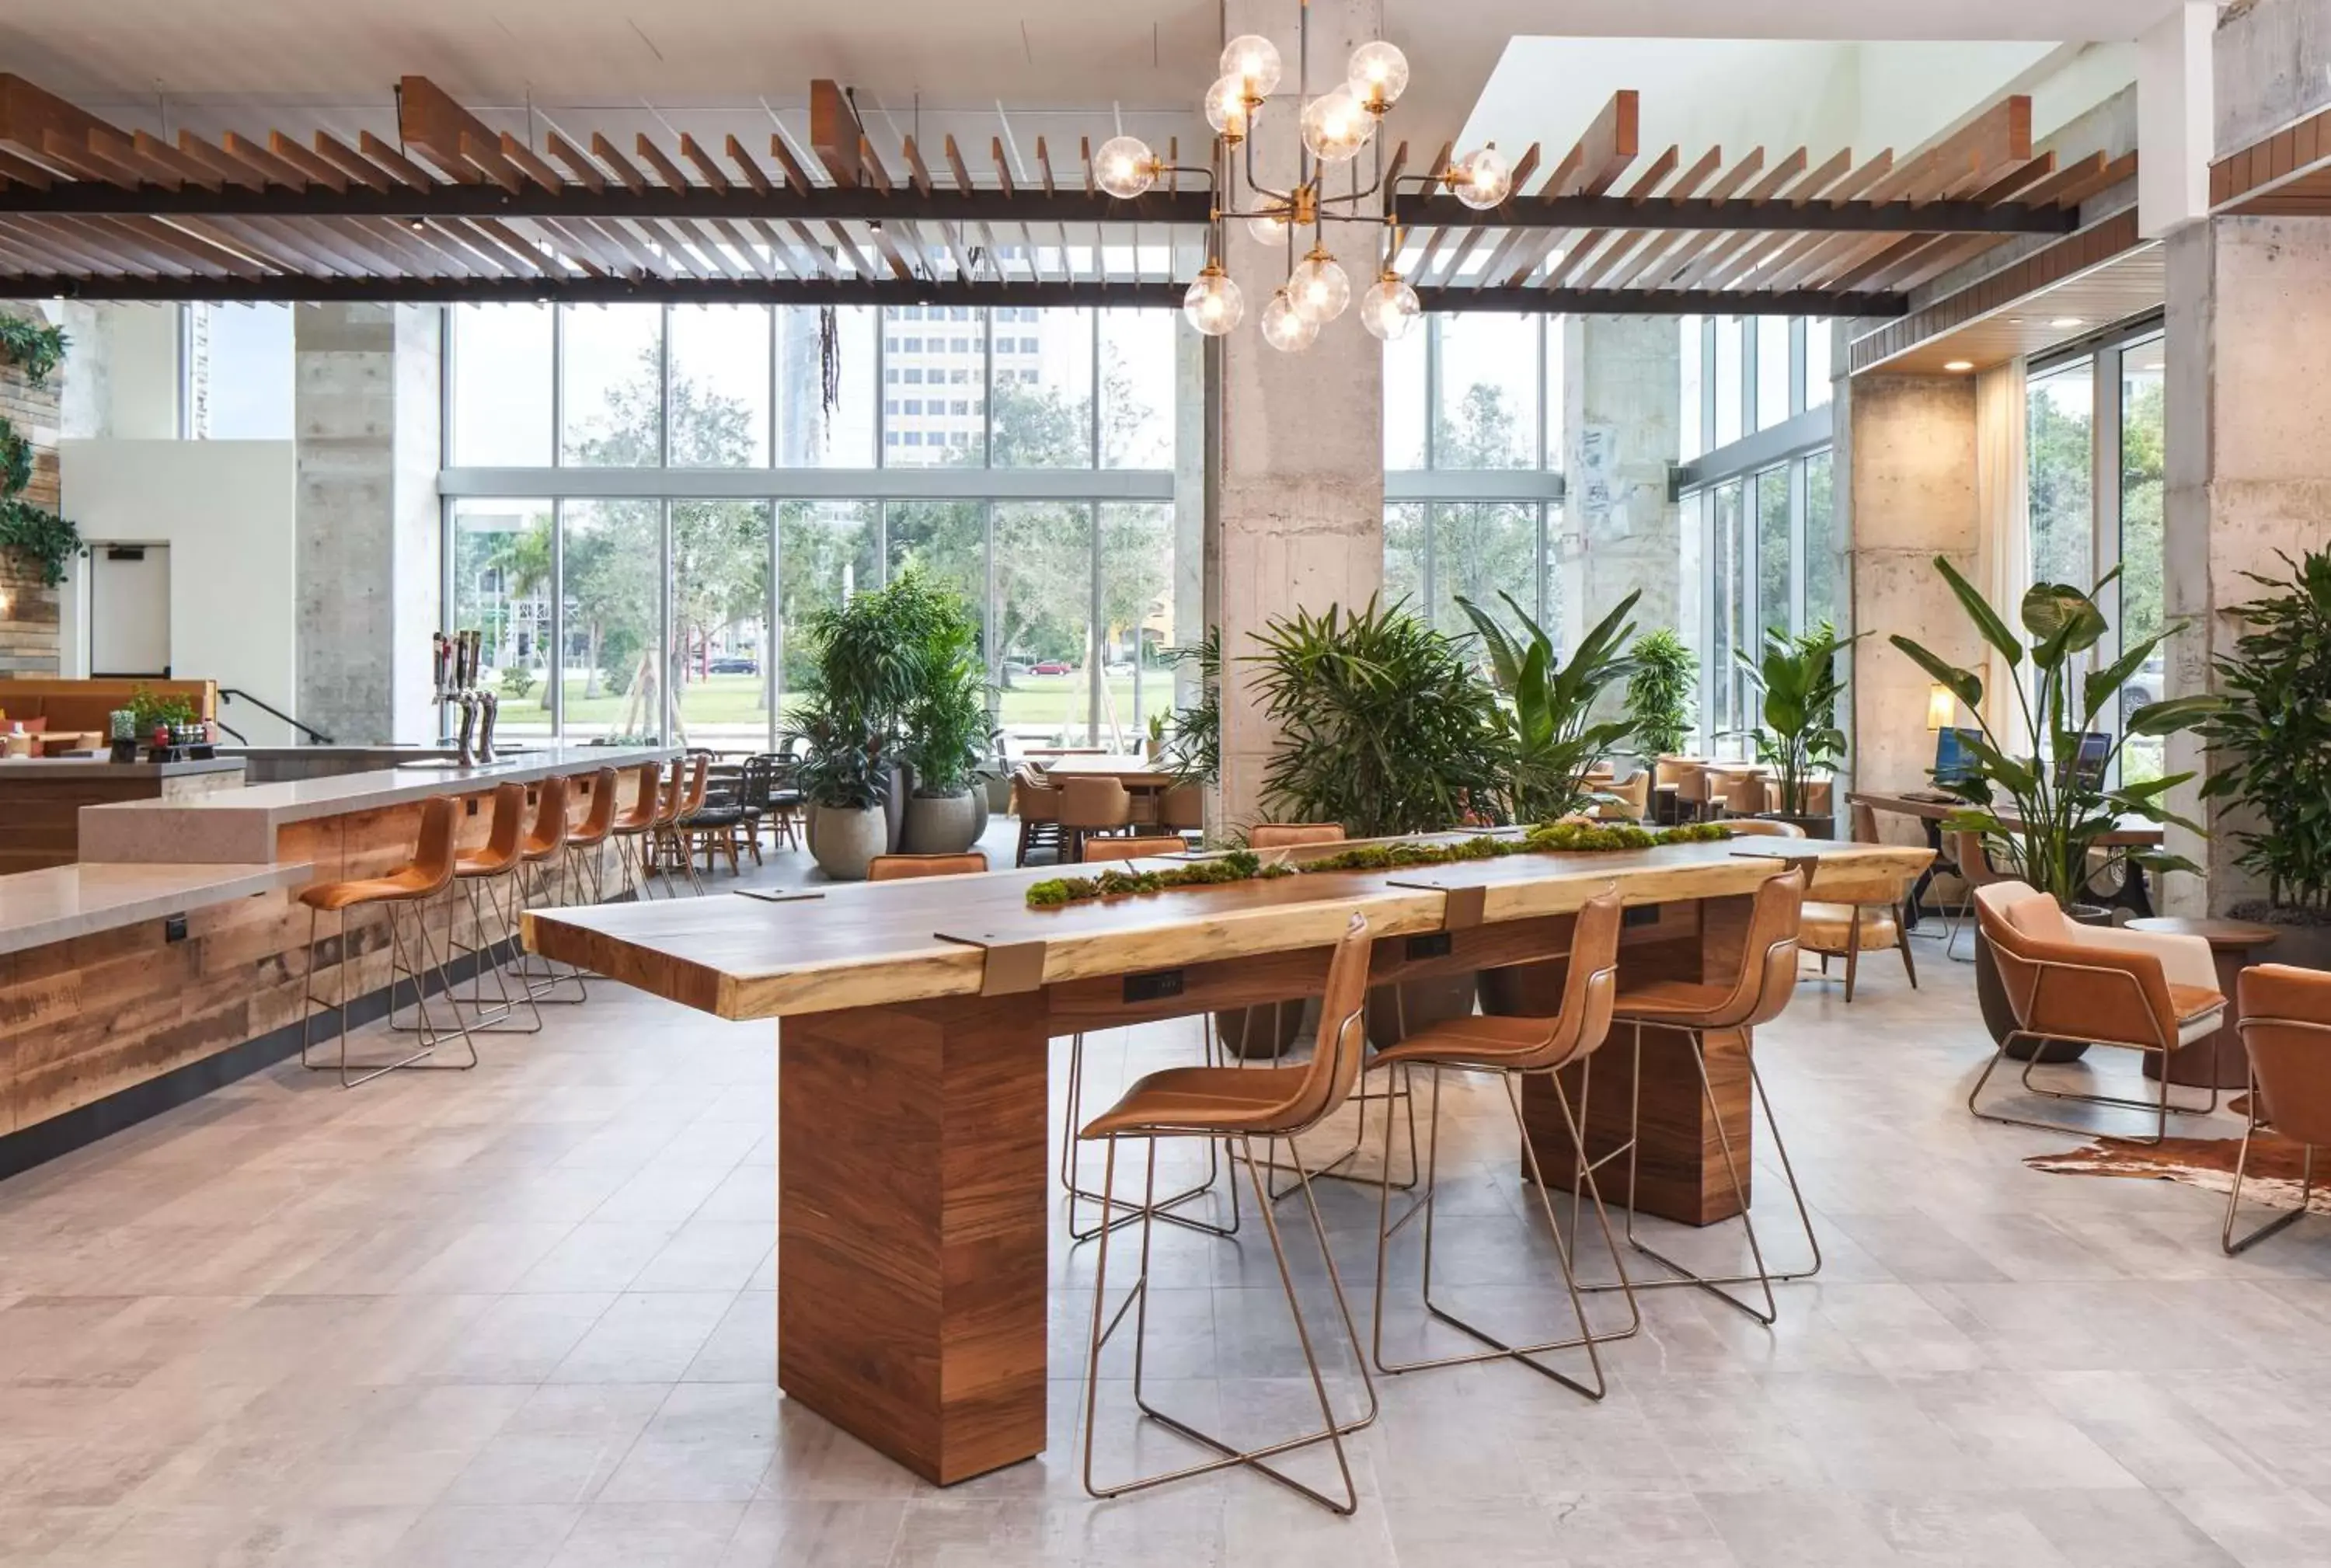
x=2174 y=110
x=1905 y=455
x=1620 y=532
x=2249 y=455
x=1302 y=434
x=368 y=411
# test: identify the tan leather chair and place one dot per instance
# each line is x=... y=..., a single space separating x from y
x=1096 y=850
x=545 y=841
x=1692 y=785
x=1242 y=1104
x=1763 y=828
x=1090 y=806
x=1183 y=809
x=1037 y=805
x=1514 y=1048
x=427 y=874
x=1850 y=930
x=2286 y=1026
x=1745 y=792
x=1973 y=859
x=1633 y=794
x=672 y=830
x=634 y=830
x=586 y=868
x=1292 y=835
x=1739 y=992
x=2142 y=990
x=488 y=881
x=900 y=868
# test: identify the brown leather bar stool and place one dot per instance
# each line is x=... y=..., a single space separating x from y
x=899 y=868
x=1758 y=984
x=488 y=880
x=1512 y=1048
x=1096 y=850
x=1091 y=806
x=684 y=802
x=532 y=889
x=586 y=843
x=1037 y=805
x=1211 y=1103
x=633 y=829
x=2286 y=1026
x=410 y=886
x=1292 y=835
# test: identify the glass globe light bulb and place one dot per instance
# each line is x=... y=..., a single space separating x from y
x=1227 y=110
x=1125 y=166
x=1378 y=75
x=1285 y=328
x=1211 y=303
x=1336 y=128
x=1269 y=228
x=1480 y=179
x=1253 y=60
x=1318 y=287
x=1390 y=307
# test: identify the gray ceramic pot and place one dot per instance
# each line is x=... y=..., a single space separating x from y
x=941 y=824
x=844 y=840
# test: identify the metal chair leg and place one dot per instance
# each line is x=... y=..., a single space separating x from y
x=543 y=977
x=2226 y=1238
x=1164 y=1208
x=400 y=967
x=2159 y=1105
x=491 y=1012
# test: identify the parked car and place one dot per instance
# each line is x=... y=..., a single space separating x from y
x=1013 y=669
x=1049 y=667
x=734 y=664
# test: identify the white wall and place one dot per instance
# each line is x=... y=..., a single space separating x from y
x=225 y=509
x=122 y=380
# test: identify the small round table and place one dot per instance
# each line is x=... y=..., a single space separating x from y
x=2214 y=1060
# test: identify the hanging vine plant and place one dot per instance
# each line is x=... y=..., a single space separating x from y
x=39 y=537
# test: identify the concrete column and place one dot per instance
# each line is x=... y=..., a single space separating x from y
x=2174 y=108
x=2249 y=455
x=1302 y=434
x=1620 y=532
x=368 y=411
x=1906 y=465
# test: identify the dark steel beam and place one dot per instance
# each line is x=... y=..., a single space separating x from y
x=1740 y=215
x=303 y=290
x=1668 y=301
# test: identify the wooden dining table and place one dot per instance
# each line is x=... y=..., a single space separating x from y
x=1931 y=809
x=913 y=1020
x=1133 y=770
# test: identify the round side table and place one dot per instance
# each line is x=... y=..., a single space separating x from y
x=2214 y=1060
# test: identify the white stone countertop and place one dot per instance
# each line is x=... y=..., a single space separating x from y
x=238 y=826
x=61 y=902
x=102 y=766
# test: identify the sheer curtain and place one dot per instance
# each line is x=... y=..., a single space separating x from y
x=2003 y=509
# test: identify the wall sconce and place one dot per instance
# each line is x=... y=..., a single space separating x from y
x=1941 y=708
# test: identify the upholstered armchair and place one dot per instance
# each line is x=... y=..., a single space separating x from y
x=2140 y=991
x=2285 y=1026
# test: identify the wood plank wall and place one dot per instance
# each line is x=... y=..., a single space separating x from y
x=88 y=1018
x=30 y=643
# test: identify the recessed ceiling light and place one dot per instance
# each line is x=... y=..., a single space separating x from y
x=2062 y=322
x=1956 y=365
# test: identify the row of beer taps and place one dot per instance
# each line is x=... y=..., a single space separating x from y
x=455 y=659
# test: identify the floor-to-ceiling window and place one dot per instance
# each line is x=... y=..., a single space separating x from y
x=647 y=504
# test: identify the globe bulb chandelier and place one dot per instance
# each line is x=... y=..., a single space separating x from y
x=1330 y=130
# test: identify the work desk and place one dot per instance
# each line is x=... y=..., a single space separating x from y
x=912 y=1091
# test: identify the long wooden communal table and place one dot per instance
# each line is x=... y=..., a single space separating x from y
x=913 y=1211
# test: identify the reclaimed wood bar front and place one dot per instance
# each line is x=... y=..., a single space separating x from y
x=912 y=1219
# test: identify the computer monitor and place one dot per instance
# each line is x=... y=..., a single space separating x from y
x=1955 y=764
x=2096 y=751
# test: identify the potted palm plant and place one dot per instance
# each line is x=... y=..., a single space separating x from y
x=946 y=729
x=1552 y=737
x=1798 y=680
x=2270 y=750
x=862 y=680
x=1660 y=692
x=2043 y=817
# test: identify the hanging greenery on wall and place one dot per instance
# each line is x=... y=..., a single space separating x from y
x=40 y=539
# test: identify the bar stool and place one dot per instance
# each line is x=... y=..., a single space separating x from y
x=1126 y=849
x=1752 y=993
x=631 y=831
x=531 y=889
x=1214 y=1102
x=1292 y=835
x=677 y=803
x=1037 y=805
x=1514 y=1048
x=429 y=873
x=587 y=860
x=899 y=868
x=1091 y=806
x=1183 y=810
x=490 y=881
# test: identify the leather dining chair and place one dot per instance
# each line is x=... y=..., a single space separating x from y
x=1850 y=930
x=1090 y=807
x=1511 y=1048
x=1748 y=987
x=1238 y=1105
x=2286 y=1026
x=488 y=876
x=545 y=842
x=900 y=868
x=2148 y=992
x=1037 y=805
x=1973 y=859
x=1292 y=835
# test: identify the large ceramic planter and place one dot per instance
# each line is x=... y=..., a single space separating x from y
x=941 y=824
x=894 y=809
x=844 y=840
x=1998 y=1015
x=982 y=809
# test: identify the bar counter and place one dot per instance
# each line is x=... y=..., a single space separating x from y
x=42 y=799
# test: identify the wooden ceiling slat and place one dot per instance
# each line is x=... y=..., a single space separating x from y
x=443 y=254
x=1592 y=247
x=1084 y=158
x=348 y=161
x=1953 y=251
x=313 y=169
x=586 y=173
x=748 y=249
x=891 y=251
x=1002 y=169
x=748 y=166
x=529 y=163
x=24 y=173
x=585 y=246
x=392 y=242
x=954 y=166
x=2122 y=167
x=795 y=173
x=1737 y=253
x=859 y=261
x=872 y=167
x=617 y=163
x=1044 y=164
x=30 y=114
x=403 y=169
x=222 y=256
x=1834 y=168
x=703 y=162
x=915 y=169
x=233 y=171
x=270 y=168
x=485 y=155
x=668 y=173
x=431 y=122
x=281 y=252
x=71 y=155
x=51 y=239
x=119 y=157
x=1749 y=165
x=1805 y=254
x=625 y=237
x=812 y=248
x=123 y=238
x=1686 y=185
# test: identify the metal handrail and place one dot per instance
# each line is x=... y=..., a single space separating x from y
x=228 y=693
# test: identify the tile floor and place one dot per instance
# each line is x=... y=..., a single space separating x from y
x=524 y=1317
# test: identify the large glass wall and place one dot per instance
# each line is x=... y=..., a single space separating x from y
x=705 y=479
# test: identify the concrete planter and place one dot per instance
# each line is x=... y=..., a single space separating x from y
x=941 y=824
x=2302 y=937
x=844 y=840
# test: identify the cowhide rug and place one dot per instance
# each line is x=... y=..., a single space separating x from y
x=2271 y=1179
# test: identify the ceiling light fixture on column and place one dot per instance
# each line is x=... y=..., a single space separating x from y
x=1332 y=128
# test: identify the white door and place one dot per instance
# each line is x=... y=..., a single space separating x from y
x=130 y=609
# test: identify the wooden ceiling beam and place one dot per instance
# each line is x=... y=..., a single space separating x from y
x=835 y=136
x=432 y=123
x=530 y=164
x=412 y=176
x=22 y=172
x=795 y=173
x=271 y=170
x=331 y=150
x=617 y=163
x=668 y=173
x=748 y=166
x=233 y=171
x=704 y=164
x=315 y=170
x=586 y=173
x=29 y=114
x=916 y=172
x=71 y=155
